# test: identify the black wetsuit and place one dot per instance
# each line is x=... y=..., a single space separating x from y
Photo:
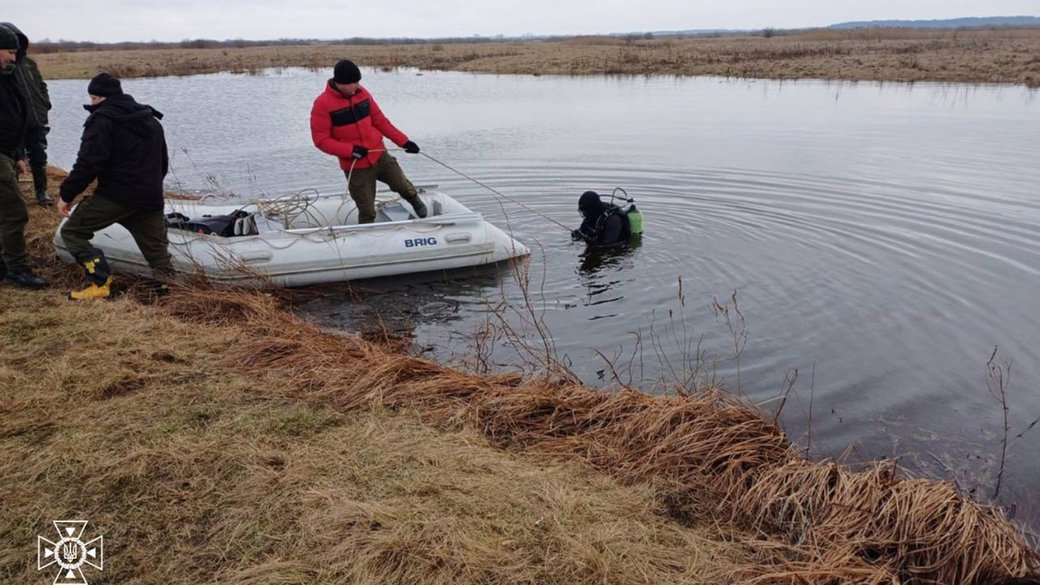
x=605 y=225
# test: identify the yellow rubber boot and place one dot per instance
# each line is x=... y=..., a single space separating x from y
x=94 y=291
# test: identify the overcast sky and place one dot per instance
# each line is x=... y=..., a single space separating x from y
x=175 y=20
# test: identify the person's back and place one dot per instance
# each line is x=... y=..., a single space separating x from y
x=126 y=152
x=124 y=148
x=603 y=224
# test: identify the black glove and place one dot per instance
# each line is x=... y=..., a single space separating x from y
x=411 y=147
x=576 y=235
x=360 y=152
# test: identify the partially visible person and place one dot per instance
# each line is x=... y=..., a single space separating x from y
x=124 y=148
x=14 y=120
x=28 y=75
x=603 y=224
x=347 y=123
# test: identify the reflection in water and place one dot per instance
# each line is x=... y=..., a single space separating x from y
x=392 y=308
x=595 y=259
x=602 y=271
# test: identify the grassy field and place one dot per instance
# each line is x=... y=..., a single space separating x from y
x=212 y=437
x=966 y=56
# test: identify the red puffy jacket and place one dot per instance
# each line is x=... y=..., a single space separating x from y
x=339 y=122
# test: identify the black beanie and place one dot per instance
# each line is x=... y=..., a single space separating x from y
x=346 y=72
x=589 y=200
x=8 y=39
x=104 y=85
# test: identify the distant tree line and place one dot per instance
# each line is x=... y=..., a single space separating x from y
x=60 y=46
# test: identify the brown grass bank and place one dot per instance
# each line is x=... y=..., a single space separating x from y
x=197 y=473
x=219 y=439
x=965 y=56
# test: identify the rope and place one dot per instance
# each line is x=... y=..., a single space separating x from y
x=298 y=204
x=350 y=173
x=496 y=192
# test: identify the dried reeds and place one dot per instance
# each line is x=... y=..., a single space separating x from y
x=872 y=526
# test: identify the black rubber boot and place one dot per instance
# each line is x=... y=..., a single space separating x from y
x=98 y=273
x=24 y=279
x=419 y=207
x=40 y=186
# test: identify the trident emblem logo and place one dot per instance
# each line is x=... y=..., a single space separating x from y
x=70 y=552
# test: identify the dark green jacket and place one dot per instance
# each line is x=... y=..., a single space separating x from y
x=13 y=118
x=27 y=73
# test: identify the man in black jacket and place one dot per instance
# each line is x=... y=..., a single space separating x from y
x=603 y=224
x=38 y=104
x=14 y=259
x=124 y=148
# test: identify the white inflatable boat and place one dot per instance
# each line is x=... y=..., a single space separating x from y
x=303 y=240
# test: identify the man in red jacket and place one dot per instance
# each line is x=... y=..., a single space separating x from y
x=347 y=123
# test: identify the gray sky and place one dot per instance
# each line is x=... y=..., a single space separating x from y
x=175 y=20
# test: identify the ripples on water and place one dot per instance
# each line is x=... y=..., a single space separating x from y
x=882 y=238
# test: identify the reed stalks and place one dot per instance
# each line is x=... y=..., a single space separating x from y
x=871 y=526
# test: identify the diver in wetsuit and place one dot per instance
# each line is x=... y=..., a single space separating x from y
x=604 y=225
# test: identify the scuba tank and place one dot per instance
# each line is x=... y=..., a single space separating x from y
x=635 y=219
x=632 y=213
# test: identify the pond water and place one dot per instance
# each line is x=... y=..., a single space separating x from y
x=882 y=239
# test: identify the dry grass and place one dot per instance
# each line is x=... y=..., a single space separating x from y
x=964 y=56
x=270 y=452
x=197 y=473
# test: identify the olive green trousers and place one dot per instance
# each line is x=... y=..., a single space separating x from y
x=361 y=183
x=13 y=218
x=97 y=213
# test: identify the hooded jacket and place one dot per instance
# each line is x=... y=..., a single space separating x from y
x=124 y=148
x=339 y=122
x=27 y=73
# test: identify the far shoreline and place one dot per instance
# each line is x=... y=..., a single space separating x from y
x=1009 y=56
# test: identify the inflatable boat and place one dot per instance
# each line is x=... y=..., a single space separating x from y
x=303 y=240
